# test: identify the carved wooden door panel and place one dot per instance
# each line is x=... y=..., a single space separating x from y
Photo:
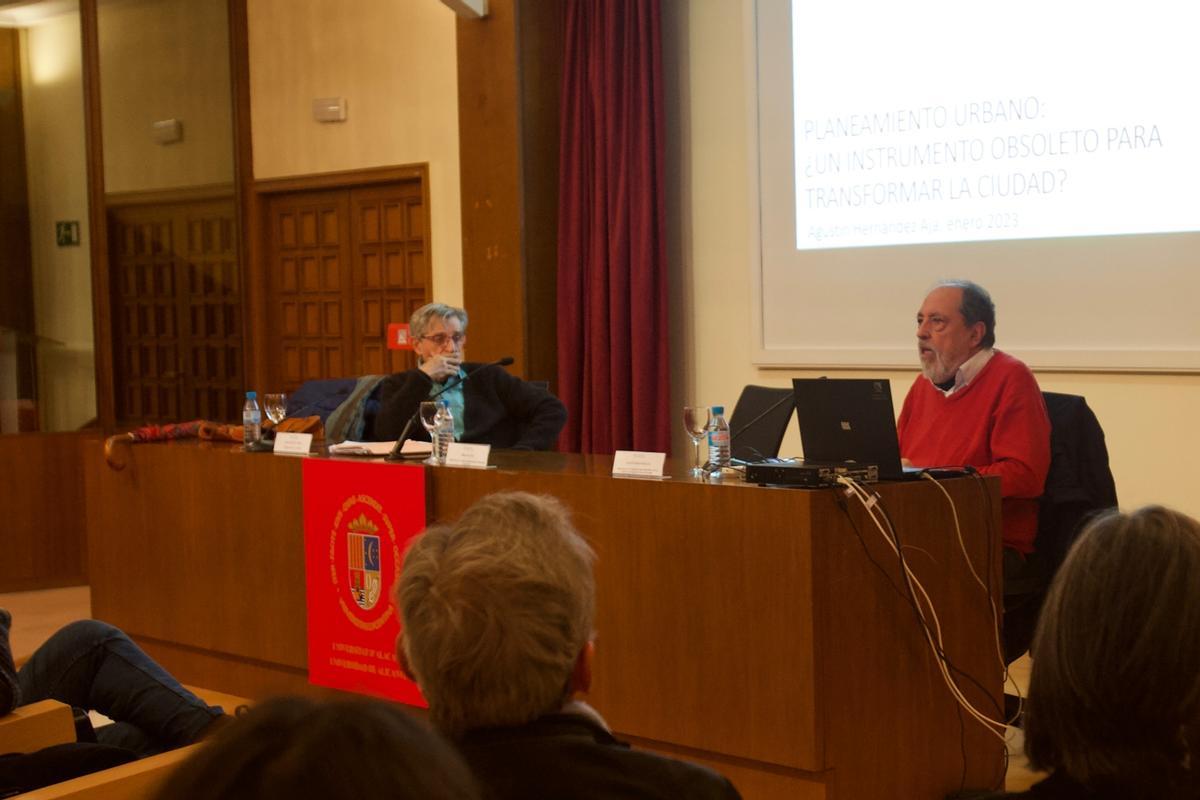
x=177 y=348
x=309 y=287
x=343 y=263
x=391 y=272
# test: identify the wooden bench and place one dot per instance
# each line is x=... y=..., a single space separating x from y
x=137 y=780
x=35 y=726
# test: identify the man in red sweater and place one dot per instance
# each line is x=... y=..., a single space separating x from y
x=977 y=406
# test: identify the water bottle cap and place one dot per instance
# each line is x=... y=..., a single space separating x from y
x=251 y=395
x=718 y=409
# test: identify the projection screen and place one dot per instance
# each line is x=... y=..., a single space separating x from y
x=1049 y=151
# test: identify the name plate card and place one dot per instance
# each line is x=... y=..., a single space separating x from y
x=637 y=464
x=460 y=454
x=293 y=444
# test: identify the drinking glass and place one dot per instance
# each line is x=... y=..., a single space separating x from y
x=695 y=421
x=275 y=407
x=430 y=417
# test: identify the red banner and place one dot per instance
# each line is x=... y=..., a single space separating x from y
x=358 y=518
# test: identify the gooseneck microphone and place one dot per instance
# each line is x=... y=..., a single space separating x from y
x=788 y=398
x=394 y=455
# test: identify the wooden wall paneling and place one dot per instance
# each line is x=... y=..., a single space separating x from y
x=509 y=81
x=248 y=208
x=16 y=255
x=102 y=321
x=541 y=29
x=42 y=497
x=489 y=125
x=178 y=511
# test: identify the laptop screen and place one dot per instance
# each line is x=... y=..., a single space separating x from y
x=848 y=419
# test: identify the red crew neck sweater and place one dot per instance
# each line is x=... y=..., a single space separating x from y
x=997 y=423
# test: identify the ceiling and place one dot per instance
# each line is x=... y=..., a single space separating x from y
x=23 y=13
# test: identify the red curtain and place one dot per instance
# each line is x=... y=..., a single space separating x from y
x=613 y=372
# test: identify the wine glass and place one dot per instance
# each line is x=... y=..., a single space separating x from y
x=275 y=407
x=695 y=421
x=430 y=410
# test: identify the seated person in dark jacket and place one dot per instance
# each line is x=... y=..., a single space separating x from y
x=493 y=407
x=1114 y=697
x=496 y=618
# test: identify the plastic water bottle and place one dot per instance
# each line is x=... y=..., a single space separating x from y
x=251 y=420
x=718 y=441
x=445 y=431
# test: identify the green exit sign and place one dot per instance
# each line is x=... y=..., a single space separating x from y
x=66 y=233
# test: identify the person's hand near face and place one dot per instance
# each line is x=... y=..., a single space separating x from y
x=439 y=350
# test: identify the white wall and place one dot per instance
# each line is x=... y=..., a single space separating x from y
x=52 y=88
x=159 y=60
x=396 y=65
x=1149 y=419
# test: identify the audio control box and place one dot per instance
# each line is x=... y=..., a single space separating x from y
x=809 y=475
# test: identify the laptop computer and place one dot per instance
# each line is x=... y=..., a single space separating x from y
x=850 y=420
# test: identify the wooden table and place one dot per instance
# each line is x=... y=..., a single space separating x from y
x=749 y=628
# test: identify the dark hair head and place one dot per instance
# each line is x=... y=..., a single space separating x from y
x=976 y=306
x=1115 y=688
x=346 y=748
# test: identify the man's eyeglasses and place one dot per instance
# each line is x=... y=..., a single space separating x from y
x=441 y=339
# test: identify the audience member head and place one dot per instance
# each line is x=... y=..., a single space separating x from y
x=497 y=613
x=344 y=749
x=1114 y=698
x=956 y=320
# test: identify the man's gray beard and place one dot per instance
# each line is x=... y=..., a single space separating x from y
x=937 y=372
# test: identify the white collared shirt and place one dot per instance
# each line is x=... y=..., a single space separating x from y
x=969 y=369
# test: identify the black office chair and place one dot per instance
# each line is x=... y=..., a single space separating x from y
x=759 y=422
x=1079 y=486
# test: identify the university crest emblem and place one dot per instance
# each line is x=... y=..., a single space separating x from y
x=363 y=561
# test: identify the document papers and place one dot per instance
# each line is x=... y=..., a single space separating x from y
x=378 y=449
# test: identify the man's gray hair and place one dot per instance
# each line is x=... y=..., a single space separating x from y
x=419 y=322
x=495 y=610
x=976 y=306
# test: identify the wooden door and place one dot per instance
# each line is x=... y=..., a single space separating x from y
x=343 y=263
x=176 y=292
x=391 y=273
